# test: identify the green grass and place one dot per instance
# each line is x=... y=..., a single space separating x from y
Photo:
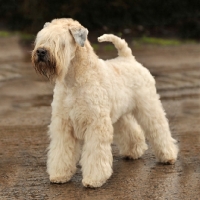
x=5 y=34
x=23 y=36
x=161 y=41
x=95 y=46
x=106 y=47
x=109 y=47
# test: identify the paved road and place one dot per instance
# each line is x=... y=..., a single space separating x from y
x=25 y=113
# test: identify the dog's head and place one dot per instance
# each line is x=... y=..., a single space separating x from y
x=55 y=46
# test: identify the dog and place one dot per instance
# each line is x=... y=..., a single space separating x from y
x=97 y=102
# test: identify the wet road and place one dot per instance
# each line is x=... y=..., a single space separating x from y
x=25 y=113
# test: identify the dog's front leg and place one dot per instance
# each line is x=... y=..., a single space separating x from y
x=97 y=157
x=61 y=162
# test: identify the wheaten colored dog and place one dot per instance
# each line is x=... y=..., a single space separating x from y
x=91 y=96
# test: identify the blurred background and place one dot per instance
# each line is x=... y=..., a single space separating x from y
x=171 y=22
x=136 y=17
x=163 y=35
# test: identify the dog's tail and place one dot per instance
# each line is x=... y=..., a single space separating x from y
x=120 y=44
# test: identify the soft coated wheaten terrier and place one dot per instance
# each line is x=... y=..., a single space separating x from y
x=97 y=102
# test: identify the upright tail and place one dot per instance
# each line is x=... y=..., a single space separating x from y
x=120 y=44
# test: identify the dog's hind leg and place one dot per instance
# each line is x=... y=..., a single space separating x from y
x=129 y=137
x=63 y=153
x=151 y=116
x=96 y=159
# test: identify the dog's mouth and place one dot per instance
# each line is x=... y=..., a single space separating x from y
x=41 y=59
x=44 y=64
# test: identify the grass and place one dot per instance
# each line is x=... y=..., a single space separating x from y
x=95 y=47
x=5 y=34
x=161 y=41
x=107 y=47
x=23 y=36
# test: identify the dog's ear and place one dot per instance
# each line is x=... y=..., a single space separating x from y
x=79 y=34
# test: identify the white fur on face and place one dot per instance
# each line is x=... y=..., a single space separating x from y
x=59 y=43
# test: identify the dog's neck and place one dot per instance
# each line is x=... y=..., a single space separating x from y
x=84 y=61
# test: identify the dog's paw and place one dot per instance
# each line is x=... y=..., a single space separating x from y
x=166 y=159
x=61 y=176
x=168 y=156
x=135 y=152
x=169 y=162
x=60 y=179
x=87 y=182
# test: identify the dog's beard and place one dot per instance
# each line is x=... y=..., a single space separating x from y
x=45 y=66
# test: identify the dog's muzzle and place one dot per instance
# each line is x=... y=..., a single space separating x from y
x=44 y=63
x=41 y=53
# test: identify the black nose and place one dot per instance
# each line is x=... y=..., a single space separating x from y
x=41 y=52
